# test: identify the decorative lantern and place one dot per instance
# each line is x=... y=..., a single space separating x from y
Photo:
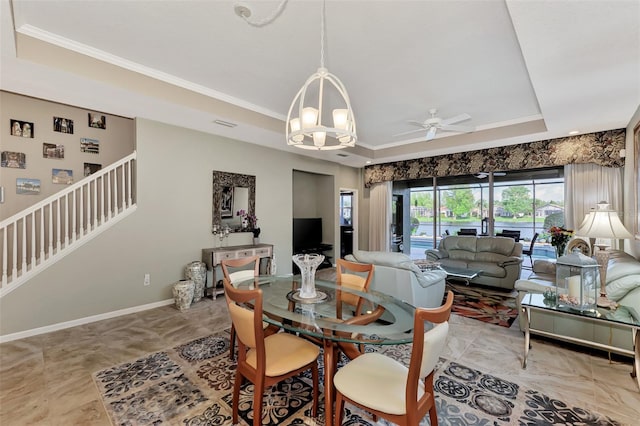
x=577 y=282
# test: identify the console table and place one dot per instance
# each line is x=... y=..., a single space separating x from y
x=212 y=257
x=536 y=302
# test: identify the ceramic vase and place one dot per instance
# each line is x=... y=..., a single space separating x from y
x=308 y=263
x=183 y=294
x=197 y=272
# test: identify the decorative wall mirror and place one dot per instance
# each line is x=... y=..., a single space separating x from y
x=232 y=192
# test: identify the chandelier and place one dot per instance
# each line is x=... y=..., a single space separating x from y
x=322 y=99
x=309 y=116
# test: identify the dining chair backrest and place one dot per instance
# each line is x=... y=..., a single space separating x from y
x=529 y=251
x=468 y=231
x=245 y=309
x=235 y=265
x=427 y=346
x=510 y=234
x=355 y=276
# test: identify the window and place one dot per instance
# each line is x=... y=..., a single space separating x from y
x=525 y=201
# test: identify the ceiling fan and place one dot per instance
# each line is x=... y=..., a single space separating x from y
x=484 y=175
x=434 y=123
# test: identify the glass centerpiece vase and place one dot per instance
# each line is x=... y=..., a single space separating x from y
x=308 y=263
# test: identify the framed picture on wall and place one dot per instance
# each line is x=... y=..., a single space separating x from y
x=97 y=121
x=22 y=128
x=91 y=146
x=51 y=150
x=91 y=168
x=62 y=176
x=26 y=186
x=14 y=160
x=62 y=125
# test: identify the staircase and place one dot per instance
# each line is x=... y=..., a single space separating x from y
x=41 y=235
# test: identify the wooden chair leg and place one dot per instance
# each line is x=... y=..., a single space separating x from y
x=339 y=412
x=258 y=394
x=316 y=391
x=236 y=397
x=433 y=415
x=232 y=342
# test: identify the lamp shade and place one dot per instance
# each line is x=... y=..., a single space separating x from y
x=603 y=223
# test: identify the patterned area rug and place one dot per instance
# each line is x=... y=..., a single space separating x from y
x=485 y=305
x=191 y=384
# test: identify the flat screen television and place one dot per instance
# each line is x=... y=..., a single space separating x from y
x=307 y=233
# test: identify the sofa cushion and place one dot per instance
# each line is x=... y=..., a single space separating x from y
x=498 y=245
x=620 y=265
x=460 y=245
x=619 y=288
x=488 y=269
x=384 y=258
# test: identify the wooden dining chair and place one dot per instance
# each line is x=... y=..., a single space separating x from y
x=388 y=389
x=265 y=360
x=240 y=273
x=354 y=276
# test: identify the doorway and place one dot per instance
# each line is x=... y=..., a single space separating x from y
x=347 y=217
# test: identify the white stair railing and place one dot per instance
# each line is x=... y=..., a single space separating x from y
x=39 y=236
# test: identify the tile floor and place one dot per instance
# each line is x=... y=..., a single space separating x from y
x=46 y=379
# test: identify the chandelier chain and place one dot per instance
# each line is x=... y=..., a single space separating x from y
x=265 y=21
x=322 y=34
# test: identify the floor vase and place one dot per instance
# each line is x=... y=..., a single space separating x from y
x=183 y=294
x=197 y=272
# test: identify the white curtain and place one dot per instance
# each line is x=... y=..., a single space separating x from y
x=380 y=216
x=585 y=185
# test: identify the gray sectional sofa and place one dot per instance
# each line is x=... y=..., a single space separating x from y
x=499 y=258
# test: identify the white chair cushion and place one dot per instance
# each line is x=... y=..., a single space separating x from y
x=375 y=381
x=284 y=353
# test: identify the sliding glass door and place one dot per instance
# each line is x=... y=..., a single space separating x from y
x=517 y=204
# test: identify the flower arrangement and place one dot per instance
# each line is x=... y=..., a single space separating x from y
x=559 y=238
x=249 y=222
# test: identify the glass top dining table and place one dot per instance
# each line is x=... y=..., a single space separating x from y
x=319 y=318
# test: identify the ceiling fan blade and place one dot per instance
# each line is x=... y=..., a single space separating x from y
x=452 y=128
x=456 y=119
x=409 y=132
x=417 y=123
x=431 y=133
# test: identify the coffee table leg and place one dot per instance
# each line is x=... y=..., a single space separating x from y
x=527 y=335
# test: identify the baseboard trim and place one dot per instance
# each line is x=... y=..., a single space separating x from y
x=81 y=321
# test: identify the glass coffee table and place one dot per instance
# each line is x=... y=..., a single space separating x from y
x=461 y=274
x=537 y=302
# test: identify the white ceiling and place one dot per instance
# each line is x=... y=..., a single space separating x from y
x=524 y=70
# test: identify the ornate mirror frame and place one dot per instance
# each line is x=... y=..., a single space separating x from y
x=224 y=181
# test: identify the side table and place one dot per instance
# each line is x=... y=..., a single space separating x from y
x=212 y=257
x=536 y=302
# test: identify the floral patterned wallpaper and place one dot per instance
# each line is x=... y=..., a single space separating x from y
x=602 y=148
